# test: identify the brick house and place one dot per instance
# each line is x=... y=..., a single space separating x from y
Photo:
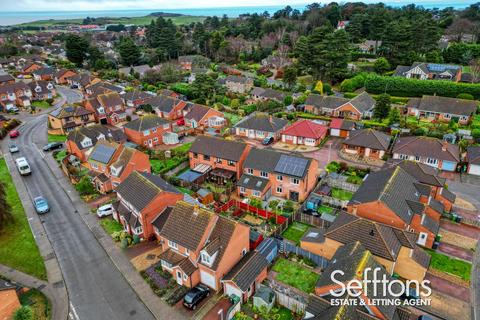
x=81 y=140
x=17 y=93
x=29 y=68
x=355 y=109
x=443 y=109
x=46 y=74
x=367 y=143
x=167 y=107
x=341 y=128
x=395 y=249
x=147 y=131
x=202 y=117
x=218 y=156
x=304 y=132
x=395 y=198
x=42 y=90
x=431 y=151
x=355 y=261
x=6 y=79
x=238 y=84
x=67 y=118
x=110 y=163
x=62 y=75
x=259 y=126
x=134 y=98
x=473 y=159
x=270 y=173
x=108 y=108
x=101 y=87
x=137 y=210
x=82 y=80
x=199 y=246
x=244 y=278
x=266 y=94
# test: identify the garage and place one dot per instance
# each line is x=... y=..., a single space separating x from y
x=335 y=132
x=208 y=279
x=474 y=169
x=473 y=159
x=230 y=289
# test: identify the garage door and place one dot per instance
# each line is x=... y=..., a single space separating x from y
x=474 y=169
x=335 y=132
x=208 y=279
x=229 y=290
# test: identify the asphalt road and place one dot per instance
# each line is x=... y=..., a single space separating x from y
x=97 y=290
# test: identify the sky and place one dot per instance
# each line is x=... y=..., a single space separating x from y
x=83 y=5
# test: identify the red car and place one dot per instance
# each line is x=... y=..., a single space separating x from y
x=14 y=134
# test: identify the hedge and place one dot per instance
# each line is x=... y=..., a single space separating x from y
x=397 y=100
x=403 y=87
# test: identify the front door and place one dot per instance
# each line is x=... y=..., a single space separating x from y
x=294 y=196
x=251 y=133
x=179 y=278
x=150 y=144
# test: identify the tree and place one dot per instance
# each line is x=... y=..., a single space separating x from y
x=381 y=65
x=475 y=70
x=23 y=313
x=459 y=28
x=394 y=116
x=382 y=107
x=129 y=52
x=290 y=76
x=5 y=209
x=85 y=186
x=203 y=88
x=76 y=48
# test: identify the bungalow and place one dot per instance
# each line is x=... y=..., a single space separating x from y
x=260 y=126
x=6 y=79
x=357 y=108
x=265 y=94
x=429 y=71
x=62 y=75
x=473 y=159
x=394 y=249
x=137 y=210
x=442 y=109
x=167 y=107
x=108 y=108
x=304 y=132
x=199 y=246
x=202 y=117
x=238 y=84
x=42 y=90
x=245 y=277
x=67 y=118
x=270 y=173
x=357 y=264
x=341 y=128
x=148 y=131
x=45 y=74
x=431 y=151
x=218 y=157
x=395 y=198
x=110 y=163
x=81 y=140
x=367 y=143
x=100 y=87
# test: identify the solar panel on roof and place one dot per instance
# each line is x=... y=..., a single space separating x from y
x=102 y=153
x=291 y=165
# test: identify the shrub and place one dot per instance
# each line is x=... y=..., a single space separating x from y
x=23 y=313
x=465 y=96
x=85 y=186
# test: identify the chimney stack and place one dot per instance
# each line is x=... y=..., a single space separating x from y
x=195 y=210
x=444 y=145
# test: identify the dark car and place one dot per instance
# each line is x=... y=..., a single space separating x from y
x=267 y=141
x=195 y=296
x=53 y=146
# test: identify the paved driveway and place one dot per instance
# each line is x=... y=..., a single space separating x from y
x=456 y=251
x=449 y=288
x=327 y=153
x=461 y=229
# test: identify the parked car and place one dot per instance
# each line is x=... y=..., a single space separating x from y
x=53 y=146
x=13 y=110
x=23 y=166
x=13 y=148
x=105 y=210
x=267 y=141
x=14 y=133
x=41 y=205
x=195 y=296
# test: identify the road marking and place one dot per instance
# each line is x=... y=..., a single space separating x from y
x=75 y=315
x=39 y=151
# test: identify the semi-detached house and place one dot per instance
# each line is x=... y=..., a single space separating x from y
x=259 y=126
x=149 y=131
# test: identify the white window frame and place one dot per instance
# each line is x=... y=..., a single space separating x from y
x=173 y=245
x=295 y=181
x=279 y=178
x=263 y=174
x=279 y=190
x=250 y=171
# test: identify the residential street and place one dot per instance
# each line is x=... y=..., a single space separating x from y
x=97 y=290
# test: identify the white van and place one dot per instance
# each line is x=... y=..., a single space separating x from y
x=23 y=166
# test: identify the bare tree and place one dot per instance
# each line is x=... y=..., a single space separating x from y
x=475 y=70
x=460 y=28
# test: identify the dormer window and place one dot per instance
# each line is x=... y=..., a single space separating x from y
x=206 y=258
x=172 y=245
x=86 y=143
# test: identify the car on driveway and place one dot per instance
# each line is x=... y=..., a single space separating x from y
x=195 y=296
x=13 y=148
x=41 y=205
x=105 y=210
x=267 y=141
x=53 y=146
x=14 y=133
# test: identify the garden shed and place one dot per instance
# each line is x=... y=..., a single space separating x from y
x=264 y=296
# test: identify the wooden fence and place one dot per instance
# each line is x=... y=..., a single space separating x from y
x=311 y=220
x=267 y=215
x=288 y=247
x=334 y=202
x=294 y=300
x=340 y=182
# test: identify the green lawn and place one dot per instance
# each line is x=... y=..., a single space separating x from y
x=60 y=155
x=453 y=266
x=38 y=302
x=110 y=225
x=162 y=166
x=41 y=104
x=341 y=194
x=183 y=149
x=232 y=117
x=56 y=138
x=295 y=231
x=325 y=209
x=295 y=275
x=18 y=249
x=185 y=190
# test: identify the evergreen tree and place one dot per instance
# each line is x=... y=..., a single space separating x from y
x=290 y=76
x=382 y=107
x=129 y=52
x=76 y=48
x=394 y=116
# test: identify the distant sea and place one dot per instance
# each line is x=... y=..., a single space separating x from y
x=12 y=18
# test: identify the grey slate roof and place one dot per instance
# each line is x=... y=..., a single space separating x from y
x=329 y=102
x=251 y=182
x=444 y=105
x=422 y=172
x=220 y=148
x=93 y=132
x=139 y=189
x=147 y=122
x=427 y=147
x=473 y=155
x=163 y=103
x=244 y=273
x=368 y=138
x=262 y=122
x=363 y=102
x=268 y=93
x=197 y=112
x=162 y=218
x=272 y=162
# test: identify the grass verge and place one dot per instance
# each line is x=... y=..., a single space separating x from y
x=110 y=225
x=441 y=262
x=56 y=138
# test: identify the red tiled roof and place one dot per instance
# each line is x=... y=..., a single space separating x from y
x=336 y=124
x=306 y=129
